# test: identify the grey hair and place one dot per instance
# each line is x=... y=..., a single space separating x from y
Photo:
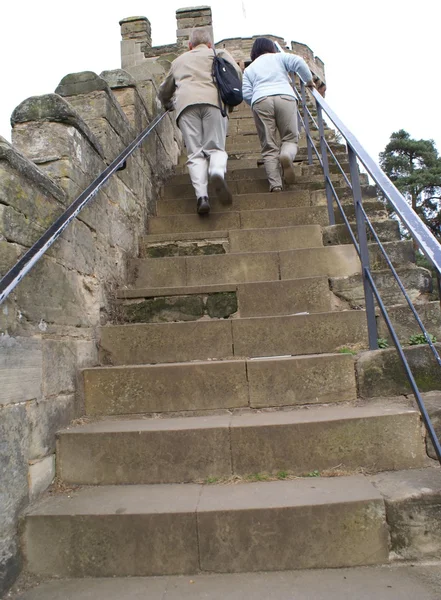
x=200 y=35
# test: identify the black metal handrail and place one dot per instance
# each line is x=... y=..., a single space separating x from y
x=423 y=237
x=31 y=257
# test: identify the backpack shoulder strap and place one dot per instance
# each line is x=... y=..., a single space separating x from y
x=223 y=107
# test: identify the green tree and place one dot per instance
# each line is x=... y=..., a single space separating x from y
x=415 y=168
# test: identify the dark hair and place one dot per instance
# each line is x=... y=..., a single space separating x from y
x=262 y=46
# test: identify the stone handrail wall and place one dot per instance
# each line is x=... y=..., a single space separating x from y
x=48 y=325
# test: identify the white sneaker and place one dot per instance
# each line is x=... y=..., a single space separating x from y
x=221 y=187
x=288 y=169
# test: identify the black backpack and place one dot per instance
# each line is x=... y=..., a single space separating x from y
x=227 y=82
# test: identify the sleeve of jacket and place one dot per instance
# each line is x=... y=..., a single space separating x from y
x=227 y=56
x=296 y=64
x=247 y=88
x=167 y=89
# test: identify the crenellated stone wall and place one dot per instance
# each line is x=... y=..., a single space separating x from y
x=137 y=52
x=60 y=143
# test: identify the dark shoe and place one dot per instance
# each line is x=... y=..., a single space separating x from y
x=221 y=187
x=203 y=206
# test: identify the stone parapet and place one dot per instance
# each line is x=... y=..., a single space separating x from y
x=61 y=143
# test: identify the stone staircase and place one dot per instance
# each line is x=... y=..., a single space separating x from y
x=225 y=389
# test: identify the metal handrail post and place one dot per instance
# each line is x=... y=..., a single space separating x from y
x=325 y=165
x=364 y=250
x=306 y=122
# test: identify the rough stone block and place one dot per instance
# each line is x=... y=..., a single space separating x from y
x=59 y=367
x=183 y=223
x=122 y=531
x=221 y=305
x=291 y=525
x=126 y=452
x=413 y=509
x=282 y=217
x=274 y=240
x=158 y=273
x=432 y=402
x=416 y=281
x=45 y=418
x=51 y=108
x=338 y=261
x=373 y=438
x=166 y=342
x=41 y=475
x=21 y=192
x=381 y=373
x=166 y=388
x=163 y=309
x=405 y=324
x=301 y=380
x=232 y=268
x=13 y=488
x=20 y=369
x=50 y=293
x=284 y=297
x=303 y=334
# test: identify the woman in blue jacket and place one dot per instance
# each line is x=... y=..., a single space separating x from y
x=267 y=88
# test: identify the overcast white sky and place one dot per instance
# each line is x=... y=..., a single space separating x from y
x=382 y=57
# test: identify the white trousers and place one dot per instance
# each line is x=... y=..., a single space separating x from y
x=204 y=130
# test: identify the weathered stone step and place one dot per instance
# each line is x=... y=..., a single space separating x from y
x=248 y=219
x=214 y=385
x=247 y=186
x=388 y=230
x=231 y=268
x=153 y=305
x=250 y=137
x=191 y=449
x=258 y=172
x=251 y=163
x=154 y=343
x=268 y=201
x=166 y=529
x=256 y=201
x=223 y=262
x=381 y=372
x=254 y=148
x=416 y=280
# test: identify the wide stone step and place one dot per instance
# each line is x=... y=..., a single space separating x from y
x=161 y=530
x=241 y=186
x=231 y=268
x=268 y=201
x=154 y=343
x=254 y=171
x=254 y=148
x=251 y=163
x=214 y=385
x=248 y=219
x=158 y=305
x=192 y=449
x=254 y=201
x=260 y=185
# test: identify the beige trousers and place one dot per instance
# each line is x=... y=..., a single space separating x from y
x=276 y=116
x=204 y=130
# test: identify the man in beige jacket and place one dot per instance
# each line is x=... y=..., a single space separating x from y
x=189 y=88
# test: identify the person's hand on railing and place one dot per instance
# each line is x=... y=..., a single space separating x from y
x=317 y=85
